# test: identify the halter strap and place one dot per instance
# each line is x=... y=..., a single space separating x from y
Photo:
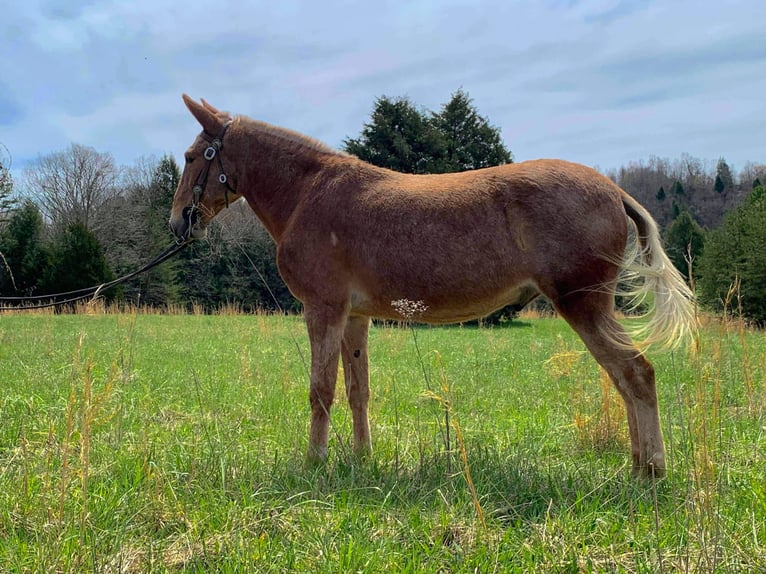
x=211 y=152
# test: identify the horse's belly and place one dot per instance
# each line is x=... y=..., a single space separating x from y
x=466 y=311
x=440 y=307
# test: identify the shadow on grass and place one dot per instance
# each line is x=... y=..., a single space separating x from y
x=513 y=488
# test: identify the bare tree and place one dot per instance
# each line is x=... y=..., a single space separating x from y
x=696 y=174
x=750 y=173
x=6 y=182
x=69 y=186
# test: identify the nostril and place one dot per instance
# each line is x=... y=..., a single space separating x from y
x=190 y=215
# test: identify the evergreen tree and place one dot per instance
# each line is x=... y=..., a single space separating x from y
x=472 y=142
x=661 y=194
x=23 y=254
x=140 y=211
x=684 y=238
x=159 y=286
x=756 y=183
x=76 y=261
x=719 y=185
x=399 y=137
x=402 y=138
x=734 y=253
x=723 y=178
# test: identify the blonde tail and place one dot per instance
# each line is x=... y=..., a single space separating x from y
x=673 y=317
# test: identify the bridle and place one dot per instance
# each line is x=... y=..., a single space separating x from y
x=211 y=152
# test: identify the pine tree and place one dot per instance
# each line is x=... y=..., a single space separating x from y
x=23 y=254
x=723 y=178
x=684 y=238
x=399 y=137
x=76 y=261
x=719 y=185
x=160 y=285
x=734 y=253
x=472 y=142
x=661 y=194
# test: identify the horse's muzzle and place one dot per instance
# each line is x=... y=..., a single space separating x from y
x=188 y=225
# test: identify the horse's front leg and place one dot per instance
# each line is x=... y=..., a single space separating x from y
x=325 y=327
x=356 y=375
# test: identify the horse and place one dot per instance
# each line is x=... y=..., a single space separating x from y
x=355 y=242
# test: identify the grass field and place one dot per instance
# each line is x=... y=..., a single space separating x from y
x=150 y=443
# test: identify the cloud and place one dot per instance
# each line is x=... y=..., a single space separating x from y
x=598 y=81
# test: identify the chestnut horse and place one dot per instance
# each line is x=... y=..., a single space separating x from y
x=352 y=239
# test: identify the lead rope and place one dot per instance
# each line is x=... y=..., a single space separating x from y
x=51 y=299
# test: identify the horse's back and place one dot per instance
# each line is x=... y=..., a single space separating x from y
x=463 y=243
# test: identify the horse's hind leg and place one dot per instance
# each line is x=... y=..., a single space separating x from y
x=591 y=315
x=356 y=375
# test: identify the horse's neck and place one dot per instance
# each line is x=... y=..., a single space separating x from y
x=279 y=165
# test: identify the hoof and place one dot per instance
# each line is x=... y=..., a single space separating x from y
x=651 y=471
x=316 y=457
x=362 y=452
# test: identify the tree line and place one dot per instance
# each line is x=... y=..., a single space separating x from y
x=82 y=221
x=78 y=219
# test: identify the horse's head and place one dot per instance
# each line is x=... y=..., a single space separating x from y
x=205 y=187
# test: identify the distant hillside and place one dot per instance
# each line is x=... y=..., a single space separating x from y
x=707 y=191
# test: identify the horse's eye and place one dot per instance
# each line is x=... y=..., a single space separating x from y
x=188 y=159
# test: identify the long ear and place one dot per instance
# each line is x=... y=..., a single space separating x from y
x=207 y=119
x=209 y=107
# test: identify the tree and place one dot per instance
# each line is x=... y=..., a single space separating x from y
x=471 y=141
x=690 y=182
x=694 y=174
x=399 y=137
x=76 y=261
x=734 y=255
x=719 y=185
x=139 y=209
x=723 y=178
x=750 y=173
x=23 y=254
x=757 y=183
x=684 y=238
x=69 y=186
x=6 y=182
x=159 y=286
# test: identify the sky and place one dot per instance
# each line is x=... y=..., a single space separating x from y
x=600 y=82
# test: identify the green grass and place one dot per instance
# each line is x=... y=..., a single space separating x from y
x=136 y=443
